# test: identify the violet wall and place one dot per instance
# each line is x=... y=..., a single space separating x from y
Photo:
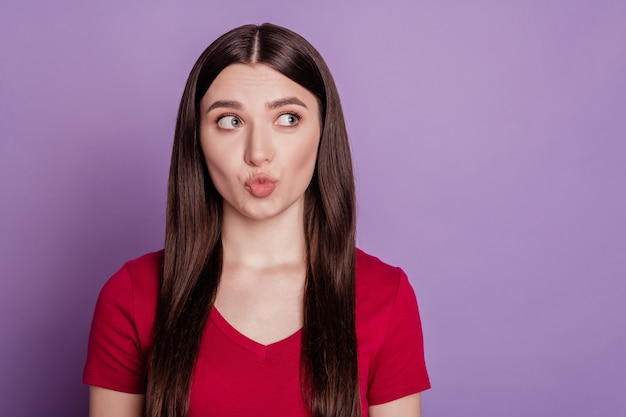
x=489 y=142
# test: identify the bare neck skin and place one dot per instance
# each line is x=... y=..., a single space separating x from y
x=264 y=243
x=264 y=266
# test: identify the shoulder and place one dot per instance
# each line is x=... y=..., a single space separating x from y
x=140 y=275
x=369 y=263
x=375 y=277
x=134 y=291
x=122 y=326
x=378 y=288
x=389 y=333
x=146 y=267
x=383 y=295
x=145 y=273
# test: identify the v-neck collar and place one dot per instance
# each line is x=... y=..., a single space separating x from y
x=260 y=350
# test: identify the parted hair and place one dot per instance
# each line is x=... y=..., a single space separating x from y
x=193 y=248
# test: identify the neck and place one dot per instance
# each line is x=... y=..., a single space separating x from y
x=264 y=243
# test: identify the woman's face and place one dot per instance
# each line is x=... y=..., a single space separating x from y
x=259 y=133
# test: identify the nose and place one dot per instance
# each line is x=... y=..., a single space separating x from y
x=259 y=146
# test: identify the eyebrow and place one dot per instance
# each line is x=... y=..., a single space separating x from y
x=229 y=104
x=284 y=102
x=225 y=104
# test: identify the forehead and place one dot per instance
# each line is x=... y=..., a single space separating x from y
x=254 y=84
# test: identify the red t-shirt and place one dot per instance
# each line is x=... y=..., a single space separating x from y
x=236 y=376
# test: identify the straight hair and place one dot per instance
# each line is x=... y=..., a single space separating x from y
x=193 y=247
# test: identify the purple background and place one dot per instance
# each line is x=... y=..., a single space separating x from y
x=489 y=142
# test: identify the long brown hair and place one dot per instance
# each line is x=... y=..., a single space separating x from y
x=193 y=249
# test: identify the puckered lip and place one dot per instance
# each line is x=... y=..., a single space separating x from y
x=261 y=185
x=260 y=179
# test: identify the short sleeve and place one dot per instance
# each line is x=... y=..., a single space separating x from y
x=114 y=357
x=399 y=369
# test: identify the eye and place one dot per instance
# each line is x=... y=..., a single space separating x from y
x=229 y=122
x=288 y=119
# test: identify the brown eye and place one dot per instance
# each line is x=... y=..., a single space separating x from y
x=288 y=119
x=229 y=122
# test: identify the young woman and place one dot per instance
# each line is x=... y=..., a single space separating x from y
x=260 y=304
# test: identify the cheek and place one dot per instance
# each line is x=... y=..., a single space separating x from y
x=309 y=161
x=218 y=170
x=217 y=164
x=305 y=156
x=216 y=154
x=212 y=153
